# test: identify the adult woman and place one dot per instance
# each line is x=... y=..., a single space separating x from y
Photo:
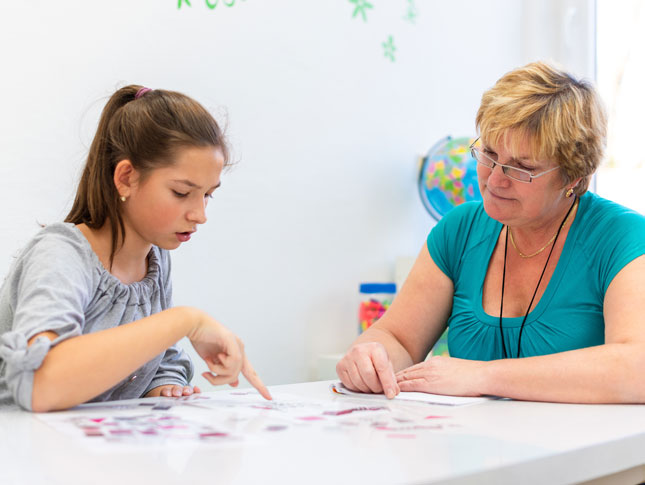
x=541 y=269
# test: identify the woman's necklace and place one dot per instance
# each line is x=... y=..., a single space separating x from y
x=522 y=255
x=501 y=304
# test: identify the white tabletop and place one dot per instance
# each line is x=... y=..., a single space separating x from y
x=498 y=441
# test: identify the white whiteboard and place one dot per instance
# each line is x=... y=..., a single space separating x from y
x=326 y=124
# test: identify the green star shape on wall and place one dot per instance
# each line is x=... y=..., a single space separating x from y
x=389 y=48
x=411 y=14
x=361 y=7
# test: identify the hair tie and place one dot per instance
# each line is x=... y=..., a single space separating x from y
x=141 y=92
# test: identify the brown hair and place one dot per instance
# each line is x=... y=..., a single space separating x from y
x=149 y=130
x=562 y=118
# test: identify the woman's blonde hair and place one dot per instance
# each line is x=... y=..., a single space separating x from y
x=562 y=118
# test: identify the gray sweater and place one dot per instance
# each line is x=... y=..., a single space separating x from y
x=58 y=284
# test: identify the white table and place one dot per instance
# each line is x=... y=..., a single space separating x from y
x=496 y=442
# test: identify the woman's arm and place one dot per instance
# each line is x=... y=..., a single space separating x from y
x=404 y=334
x=609 y=373
x=82 y=367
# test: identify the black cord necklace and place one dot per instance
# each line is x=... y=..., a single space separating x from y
x=501 y=305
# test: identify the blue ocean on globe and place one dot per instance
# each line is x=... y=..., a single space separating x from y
x=448 y=176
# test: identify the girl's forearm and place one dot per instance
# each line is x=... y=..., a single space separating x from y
x=82 y=367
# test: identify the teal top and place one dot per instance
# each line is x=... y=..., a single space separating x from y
x=603 y=238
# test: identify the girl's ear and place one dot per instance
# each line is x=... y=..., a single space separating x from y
x=125 y=176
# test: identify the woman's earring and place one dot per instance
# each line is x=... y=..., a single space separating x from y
x=123 y=199
x=567 y=194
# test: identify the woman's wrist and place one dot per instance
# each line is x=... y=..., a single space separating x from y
x=485 y=378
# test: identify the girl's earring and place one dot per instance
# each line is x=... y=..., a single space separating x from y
x=567 y=194
x=123 y=198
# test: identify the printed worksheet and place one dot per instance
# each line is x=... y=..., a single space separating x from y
x=236 y=418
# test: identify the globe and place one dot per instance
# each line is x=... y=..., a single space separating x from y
x=448 y=176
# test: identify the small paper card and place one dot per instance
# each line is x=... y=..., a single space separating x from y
x=339 y=388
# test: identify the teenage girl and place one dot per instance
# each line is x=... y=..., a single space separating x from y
x=86 y=310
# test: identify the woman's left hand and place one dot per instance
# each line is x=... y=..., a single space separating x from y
x=172 y=390
x=443 y=375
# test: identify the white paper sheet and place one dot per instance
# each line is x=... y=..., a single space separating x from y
x=439 y=399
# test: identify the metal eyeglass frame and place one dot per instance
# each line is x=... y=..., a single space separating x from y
x=476 y=154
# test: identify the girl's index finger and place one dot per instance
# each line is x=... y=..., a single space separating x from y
x=249 y=373
x=230 y=362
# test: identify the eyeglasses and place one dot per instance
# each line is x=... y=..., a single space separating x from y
x=515 y=173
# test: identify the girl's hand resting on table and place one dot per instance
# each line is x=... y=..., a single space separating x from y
x=443 y=375
x=223 y=352
x=366 y=367
x=173 y=390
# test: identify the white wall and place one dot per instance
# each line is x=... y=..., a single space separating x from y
x=562 y=31
x=326 y=129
